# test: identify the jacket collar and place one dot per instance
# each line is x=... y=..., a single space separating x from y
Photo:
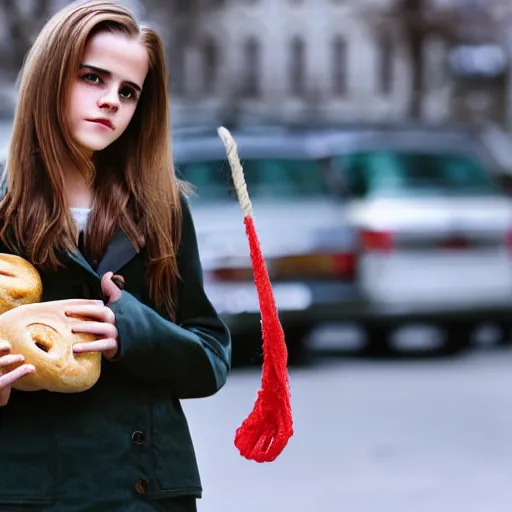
x=119 y=252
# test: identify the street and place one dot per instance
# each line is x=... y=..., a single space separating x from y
x=370 y=436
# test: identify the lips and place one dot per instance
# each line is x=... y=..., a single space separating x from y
x=104 y=122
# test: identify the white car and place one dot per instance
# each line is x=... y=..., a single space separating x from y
x=310 y=253
x=434 y=227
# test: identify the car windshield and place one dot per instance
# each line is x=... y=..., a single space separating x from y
x=386 y=173
x=266 y=178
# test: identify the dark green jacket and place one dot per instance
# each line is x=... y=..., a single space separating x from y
x=125 y=444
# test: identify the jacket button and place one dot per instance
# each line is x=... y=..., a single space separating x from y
x=141 y=486
x=138 y=437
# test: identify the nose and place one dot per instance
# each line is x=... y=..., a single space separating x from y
x=109 y=100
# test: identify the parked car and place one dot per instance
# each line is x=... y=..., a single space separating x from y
x=311 y=254
x=435 y=229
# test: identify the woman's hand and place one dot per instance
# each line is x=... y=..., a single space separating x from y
x=101 y=322
x=109 y=288
x=7 y=379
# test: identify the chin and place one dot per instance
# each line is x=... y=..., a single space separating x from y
x=93 y=144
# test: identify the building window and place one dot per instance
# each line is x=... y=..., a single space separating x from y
x=209 y=65
x=297 y=67
x=339 y=66
x=252 y=70
x=385 y=64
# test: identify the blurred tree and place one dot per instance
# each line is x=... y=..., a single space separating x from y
x=193 y=55
x=415 y=23
x=22 y=21
x=176 y=21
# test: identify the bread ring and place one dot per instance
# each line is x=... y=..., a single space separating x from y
x=20 y=282
x=42 y=333
x=44 y=337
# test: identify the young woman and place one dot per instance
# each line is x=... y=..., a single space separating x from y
x=90 y=192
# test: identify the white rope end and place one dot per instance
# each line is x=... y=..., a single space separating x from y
x=237 y=171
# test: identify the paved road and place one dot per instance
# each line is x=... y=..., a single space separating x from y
x=424 y=436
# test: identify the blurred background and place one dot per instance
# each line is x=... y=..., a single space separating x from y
x=376 y=140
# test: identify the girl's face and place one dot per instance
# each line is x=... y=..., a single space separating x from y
x=106 y=89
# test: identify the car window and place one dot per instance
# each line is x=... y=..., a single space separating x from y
x=266 y=178
x=396 y=173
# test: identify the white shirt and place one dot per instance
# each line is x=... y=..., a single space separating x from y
x=81 y=216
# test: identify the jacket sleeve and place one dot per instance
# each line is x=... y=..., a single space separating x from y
x=192 y=355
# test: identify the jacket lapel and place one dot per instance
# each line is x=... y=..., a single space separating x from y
x=119 y=252
x=79 y=258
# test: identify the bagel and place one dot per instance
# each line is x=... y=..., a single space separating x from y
x=42 y=333
x=20 y=282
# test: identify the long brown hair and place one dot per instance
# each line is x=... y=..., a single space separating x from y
x=134 y=180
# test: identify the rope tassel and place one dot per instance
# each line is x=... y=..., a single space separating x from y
x=264 y=434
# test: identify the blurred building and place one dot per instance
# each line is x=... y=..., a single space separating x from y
x=296 y=61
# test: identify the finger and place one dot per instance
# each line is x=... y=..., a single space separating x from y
x=109 y=288
x=102 y=329
x=5 y=346
x=114 y=298
x=11 y=359
x=5 y=393
x=78 y=302
x=101 y=312
x=106 y=282
x=11 y=377
x=95 y=346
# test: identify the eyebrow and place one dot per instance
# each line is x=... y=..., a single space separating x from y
x=104 y=72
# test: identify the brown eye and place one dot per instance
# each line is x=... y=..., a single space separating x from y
x=127 y=93
x=92 y=78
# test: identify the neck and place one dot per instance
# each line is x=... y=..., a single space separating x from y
x=79 y=193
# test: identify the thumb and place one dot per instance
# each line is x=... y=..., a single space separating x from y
x=5 y=393
x=106 y=281
x=109 y=289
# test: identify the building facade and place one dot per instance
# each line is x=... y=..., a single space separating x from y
x=290 y=60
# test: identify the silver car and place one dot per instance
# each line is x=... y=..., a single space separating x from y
x=312 y=256
x=435 y=229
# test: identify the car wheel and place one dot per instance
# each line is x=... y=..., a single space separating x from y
x=504 y=334
x=296 y=337
x=377 y=340
x=457 y=339
x=246 y=349
x=248 y=346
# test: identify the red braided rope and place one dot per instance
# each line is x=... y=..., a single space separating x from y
x=264 y=434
